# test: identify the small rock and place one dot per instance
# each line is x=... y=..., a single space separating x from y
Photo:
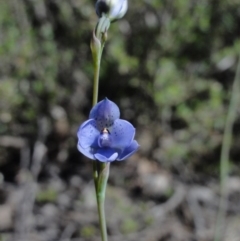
x=156 y=185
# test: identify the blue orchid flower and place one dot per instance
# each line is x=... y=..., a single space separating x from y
x=105 y=137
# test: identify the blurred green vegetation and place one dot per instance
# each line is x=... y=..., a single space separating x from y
x=47 y=195
x=168 y=64
x=88 y=231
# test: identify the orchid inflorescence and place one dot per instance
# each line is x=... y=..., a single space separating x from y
x=104 y=137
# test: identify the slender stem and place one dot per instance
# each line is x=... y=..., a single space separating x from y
x=99 y=35
x=96 y=64
x=100 y=170
x=224 y=159
x=96 y=79
x=101 y=198
x=102 y=219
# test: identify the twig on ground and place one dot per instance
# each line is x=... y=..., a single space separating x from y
x=173 y=202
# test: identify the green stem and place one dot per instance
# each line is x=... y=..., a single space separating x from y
x=97 y=49
x=99 y=38
x=96 y=78
x=224 y=159
x=102 y=184
x=102 y=219
x=96 y=63
x=100 y=170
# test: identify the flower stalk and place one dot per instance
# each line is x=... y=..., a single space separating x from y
x=100 y=170
x=97 y=45
x=102 y=185
x=94 y=136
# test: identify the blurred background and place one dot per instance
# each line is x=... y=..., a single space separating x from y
x=170 y=66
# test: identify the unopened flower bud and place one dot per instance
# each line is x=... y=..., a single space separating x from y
x=95 y=46
x=113 y=9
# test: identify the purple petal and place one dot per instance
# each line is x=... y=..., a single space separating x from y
x=106 y=155
x=105 y=113
x=88 y=134
x=122 y=134
x=127 y=152
x=88 y=152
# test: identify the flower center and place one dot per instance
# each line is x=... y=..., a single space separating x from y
x=104 y=139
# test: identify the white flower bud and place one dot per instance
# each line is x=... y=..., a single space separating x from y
x=113 y=9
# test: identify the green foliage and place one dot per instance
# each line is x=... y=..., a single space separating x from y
x=177 y=57
x=129 y=225
x=88 y=231
x=48 y=195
